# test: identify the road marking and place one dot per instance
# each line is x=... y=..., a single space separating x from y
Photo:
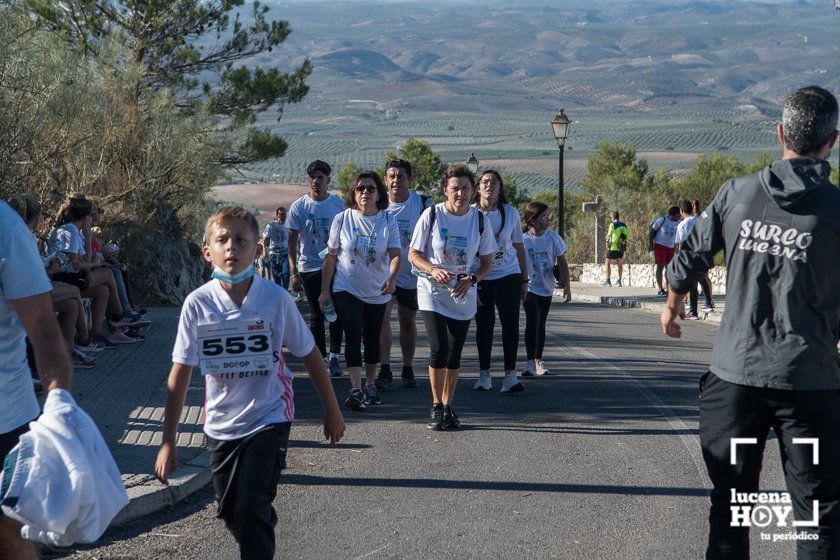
x=372 y=552
x=691 y=442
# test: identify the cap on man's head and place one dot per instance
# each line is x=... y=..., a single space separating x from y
x=319 y=165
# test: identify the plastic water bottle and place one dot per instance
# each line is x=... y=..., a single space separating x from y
x=437 y=287
x=323 y=254
x=329 y=312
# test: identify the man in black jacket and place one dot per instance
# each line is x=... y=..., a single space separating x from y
x=775 y=362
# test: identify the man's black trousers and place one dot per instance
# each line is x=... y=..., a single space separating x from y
x=731 y=411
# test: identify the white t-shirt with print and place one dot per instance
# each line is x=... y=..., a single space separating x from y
x=684 y=228
x=505 y=261
x=541 y=253
x=406 y=215
x=239 y=405
x=666 y=231
x=67 y=238
x=363 y=264
x=21 y=275
x=278 y=235
x=453 y=246
x=312 y=220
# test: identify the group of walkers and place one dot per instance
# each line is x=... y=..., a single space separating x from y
x=386 y=246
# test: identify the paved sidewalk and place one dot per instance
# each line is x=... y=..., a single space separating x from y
x=640 y=298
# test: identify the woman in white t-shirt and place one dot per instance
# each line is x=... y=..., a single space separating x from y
x=448 y=240
x=690 y=212
x=543 y=247
x=505 y=287
x=363 y=253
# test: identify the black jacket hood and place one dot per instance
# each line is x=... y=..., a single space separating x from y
x=790 y=181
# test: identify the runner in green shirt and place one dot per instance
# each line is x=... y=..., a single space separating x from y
x=617 y=236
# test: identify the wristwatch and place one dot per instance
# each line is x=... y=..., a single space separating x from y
x=474 y=279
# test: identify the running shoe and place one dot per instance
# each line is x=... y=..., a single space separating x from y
x=691 y=316
x=356 y=400
x=661 y=293
x=334 y=367
x=384 y=379
x=101 y=338
x=618 y=282
x=91 y=347
x=436 y=417
x=133 y=333
x=511 y=384
x=371 y=396
x=530 y=370
x=607 y=283
x=483 y=382
x=450 y=419
x=117 y=337
x=408 y=379
x=541 y=370
x=708 y=308
x=80 y=361
x=129 y=318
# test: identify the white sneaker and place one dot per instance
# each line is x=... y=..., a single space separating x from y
x=483 y=382
x=511 y=384
x=541 y=370
x=530 y=370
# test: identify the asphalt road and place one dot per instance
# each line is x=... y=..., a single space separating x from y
x=600 y=460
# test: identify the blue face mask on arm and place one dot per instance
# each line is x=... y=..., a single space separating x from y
x=222 y=276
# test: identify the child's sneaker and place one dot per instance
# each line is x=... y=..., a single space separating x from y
x=618 y=283
x=530 y=370
x=356 y=400
x=511 y=384
x=607 y=283
x=483 y=382
x=541 y=369
x=371 y=395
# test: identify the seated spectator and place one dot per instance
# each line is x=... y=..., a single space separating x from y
x=72 y=236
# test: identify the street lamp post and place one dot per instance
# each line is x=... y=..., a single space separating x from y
x=472 y=163
x=560 y=126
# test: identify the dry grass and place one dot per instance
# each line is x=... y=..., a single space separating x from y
x=266 y=197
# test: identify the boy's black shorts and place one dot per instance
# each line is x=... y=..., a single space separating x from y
x=406 y=297
x=615 y=254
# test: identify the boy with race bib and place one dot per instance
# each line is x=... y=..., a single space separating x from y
x=235 y=327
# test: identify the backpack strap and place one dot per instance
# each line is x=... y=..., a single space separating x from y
x=432 y=218
x=481 y=224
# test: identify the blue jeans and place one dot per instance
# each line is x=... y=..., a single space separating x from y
x=279 y=264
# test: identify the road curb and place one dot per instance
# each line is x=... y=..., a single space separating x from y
x=153 y=496
x=614 y=301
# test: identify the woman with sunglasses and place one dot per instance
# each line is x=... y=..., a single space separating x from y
x=448 y=240
x=504 y=287
x=363 y=254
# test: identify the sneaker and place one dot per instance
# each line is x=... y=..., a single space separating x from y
x=101 y=338
x=436 y=417
x=117 y=337
x=371 y=396
x=530 y=370
x=80 y=361
x=511 y=384
x=129 y=318
x=450 y=419
x=334 y=367
x=132 y=333
x=91 y=347
x=661 y=293
x=384 y=378
x=708 y=308
x=408 y=379
x=541 y=370
x=691 y=316
x=607 y=283
x=356 y=400
x=483 y=382
x=618 y=282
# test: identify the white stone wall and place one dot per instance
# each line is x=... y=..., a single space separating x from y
x=640 y=275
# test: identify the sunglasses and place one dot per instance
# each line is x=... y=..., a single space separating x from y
x=365 y=188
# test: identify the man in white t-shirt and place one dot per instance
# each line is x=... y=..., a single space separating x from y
x=406 y=207
x=310 y=219
x=661 y=240
x=276 y=243
x=26 y=310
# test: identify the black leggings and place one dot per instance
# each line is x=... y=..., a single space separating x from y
x=504 y=293
x=446 y=339
x=361 y=321
x=312 y=287
x=536 y=313
x=693 y=294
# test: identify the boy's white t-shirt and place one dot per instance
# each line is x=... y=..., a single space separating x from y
x=666 y=231
x=363 y=265
x=453 y=246
x=278 y=234
x=505 y=261
x=238 y=405
x=406 y=215
x=684 y=228
x=540 y=253
x=312 y=220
